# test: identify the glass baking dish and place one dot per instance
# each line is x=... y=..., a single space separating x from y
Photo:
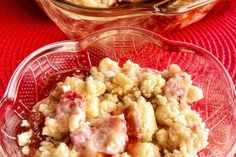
x=156 y=15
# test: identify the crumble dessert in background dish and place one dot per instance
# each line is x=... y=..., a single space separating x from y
x=125 y=111
x=114 y=3
x=102 y=3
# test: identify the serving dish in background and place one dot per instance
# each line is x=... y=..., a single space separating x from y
x=42 y=69
x=157 y=15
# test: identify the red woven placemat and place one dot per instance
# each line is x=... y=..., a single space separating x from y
x=24 y=28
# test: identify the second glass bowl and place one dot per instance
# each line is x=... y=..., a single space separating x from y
x=158 y=16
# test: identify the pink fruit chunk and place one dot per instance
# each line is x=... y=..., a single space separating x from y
x=71 y=103
x=105 y=135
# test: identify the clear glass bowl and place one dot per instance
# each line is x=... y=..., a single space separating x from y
x=158 y=16
x=41 y=70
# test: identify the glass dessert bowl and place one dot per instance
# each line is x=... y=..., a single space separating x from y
x=38 y=74
x=77 y=18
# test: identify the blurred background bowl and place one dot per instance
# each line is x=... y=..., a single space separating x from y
x=42 y=69
x=158 y=16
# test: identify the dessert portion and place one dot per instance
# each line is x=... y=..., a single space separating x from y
x=117 y=111
x=102 y=3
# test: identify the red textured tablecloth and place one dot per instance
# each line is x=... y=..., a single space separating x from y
x=24 y=28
